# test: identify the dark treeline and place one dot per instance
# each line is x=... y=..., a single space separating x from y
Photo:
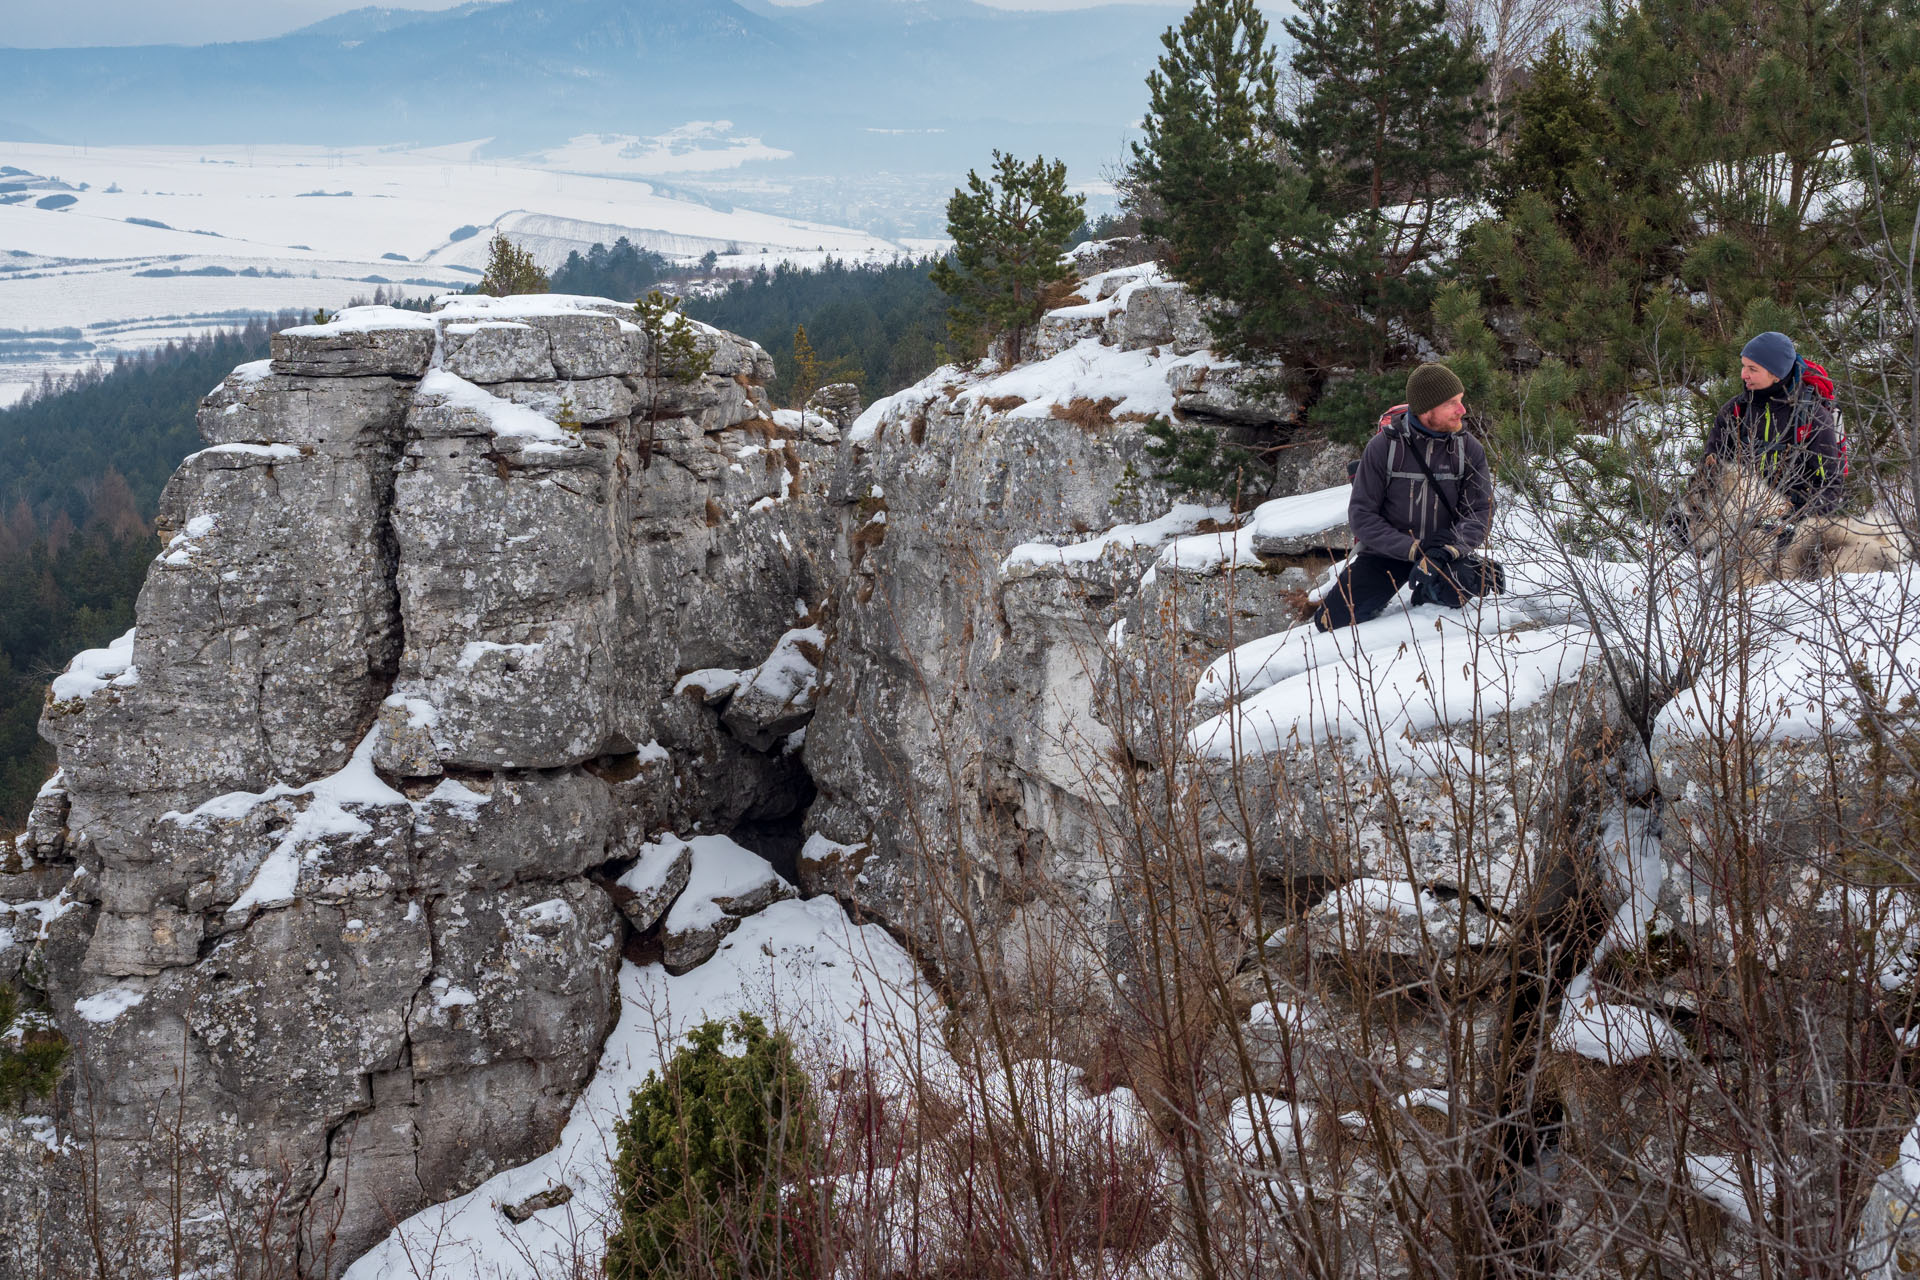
x=881 y=325
x=82 y=463
x=134 y=417
x=58 y=595
x=623 y=272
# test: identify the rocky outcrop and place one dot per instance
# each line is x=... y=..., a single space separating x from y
x=460 y=618
x=319 y=885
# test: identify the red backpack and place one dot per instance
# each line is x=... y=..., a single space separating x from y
x=1353 y=468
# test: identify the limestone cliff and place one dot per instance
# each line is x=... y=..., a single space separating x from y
x=453 y=614
x=314 y=891
x=460 y=618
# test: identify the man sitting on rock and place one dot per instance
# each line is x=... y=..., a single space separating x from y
x=1422 y=501
x=1783 y=426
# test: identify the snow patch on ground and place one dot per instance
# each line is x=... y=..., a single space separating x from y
x=721 y=869
x=1402 y=674
x=847 y=994
x=367 y=319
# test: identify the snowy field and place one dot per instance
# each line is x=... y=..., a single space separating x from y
x=105 y=250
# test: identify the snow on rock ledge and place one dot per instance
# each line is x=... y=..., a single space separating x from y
x=847 y=994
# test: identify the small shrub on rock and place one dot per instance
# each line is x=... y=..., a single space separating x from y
x=31 y=1053
x=705 y=1155
x=511 y=270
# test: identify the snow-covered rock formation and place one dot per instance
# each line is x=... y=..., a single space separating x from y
x=476 y=659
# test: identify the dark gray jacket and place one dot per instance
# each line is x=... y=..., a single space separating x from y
x=1394 y=508
x=1788 y=431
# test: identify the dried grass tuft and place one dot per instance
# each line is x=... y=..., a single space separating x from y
x=1088 y=414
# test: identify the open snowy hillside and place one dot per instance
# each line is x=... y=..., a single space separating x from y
x=111 y=249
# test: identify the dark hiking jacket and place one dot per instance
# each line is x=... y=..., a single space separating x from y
x=1394 y=508
x=1788 y=431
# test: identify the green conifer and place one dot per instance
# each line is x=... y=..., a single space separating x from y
x=706 y=1152
x=806 y=368
x=1008 y=233
x=511 y=270
x=31 y=1053
x=1390 y=135
x=674 y=357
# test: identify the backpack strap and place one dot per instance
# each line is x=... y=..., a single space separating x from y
x=1453 y=517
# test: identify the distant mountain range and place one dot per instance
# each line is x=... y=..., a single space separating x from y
x=847 y=85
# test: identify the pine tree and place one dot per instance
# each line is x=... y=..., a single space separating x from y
x=31 y=1053
x=674 y=358
x=707 y=1152
x=1750 y=120
x=1561 y=134
x=1387 y=136
x=1207 y=148
x=806 y=368
x=1008 y=234
x=511 y=270
x=1218 y=190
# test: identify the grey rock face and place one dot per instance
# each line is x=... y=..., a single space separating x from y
x=269 y=627
x=1096 y=256
x=591 y=401
x=484 y=595
x=497 y=351
x=838 y=401
x=256 y=406
x=1231 y=395
x=1162 y=315
x=371 y=341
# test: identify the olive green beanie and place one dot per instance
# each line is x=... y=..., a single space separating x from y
x=1431 y=385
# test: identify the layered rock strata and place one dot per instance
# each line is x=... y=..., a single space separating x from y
x=316 y=895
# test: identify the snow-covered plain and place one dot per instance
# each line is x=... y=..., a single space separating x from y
x=150 y=243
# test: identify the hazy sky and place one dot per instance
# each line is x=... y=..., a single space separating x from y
x=35 y=24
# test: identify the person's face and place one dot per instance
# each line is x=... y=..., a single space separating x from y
x=1756 y=378
x=1449 y=417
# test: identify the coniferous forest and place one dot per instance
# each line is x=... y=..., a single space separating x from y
x=883 y=326
x=82 y=463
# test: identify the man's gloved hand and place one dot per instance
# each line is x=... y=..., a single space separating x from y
x=1440 y=552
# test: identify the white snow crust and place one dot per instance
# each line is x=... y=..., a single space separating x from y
x=95 y=669
x=103 y=1007
x=504 y=418
x=847 y=994
x=1183 y=518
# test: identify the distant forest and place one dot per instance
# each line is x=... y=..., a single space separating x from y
x=83 y=460
x=82 y=463
x=882 y=325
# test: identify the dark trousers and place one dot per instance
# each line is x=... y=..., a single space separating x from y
x=1367 y=583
